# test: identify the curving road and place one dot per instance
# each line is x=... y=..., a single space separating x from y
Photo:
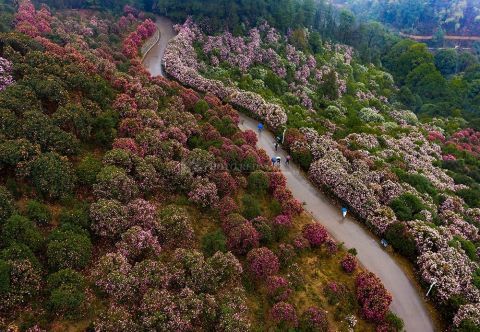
x=153 y=59
x=407 y=303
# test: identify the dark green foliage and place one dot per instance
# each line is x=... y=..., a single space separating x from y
x=18 y=229
x=467 y=326
x=258 y=183
x=394 y=321
x=38 y=212
x=407 y=206
x=75 y=216
x=4 y=277
x=104 y=131
x=471 y=196
x=19 y=251
x=52 y=176
x=418 y=181
x=7 y=206
x=213 y=242
x=201 y=107
x=68 y=247
x=87 y=170
x=251 y=207
x=67 y=295
x=398 y=237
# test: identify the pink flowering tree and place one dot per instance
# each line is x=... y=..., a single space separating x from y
x=278 y=288
x=315 y=233
x=349 y=263
x=284 y=315
x=262 y=262
x=373 y=297
x=6 y=78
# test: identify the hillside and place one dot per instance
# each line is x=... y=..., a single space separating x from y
x=133 y=203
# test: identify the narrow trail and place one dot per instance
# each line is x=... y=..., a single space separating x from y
x=407 y=302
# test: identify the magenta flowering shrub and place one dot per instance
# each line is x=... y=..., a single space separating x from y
x=284 y=315
x=278 y=288
x=282 y=221
x=349 y=263
x=31 y=22
x=112 y=275
x=467 y=311
x=242 y=238
x=452 y=270
x=314 y=319
x=115 y=318
x=373 y=297
x=144 y=31
x=262 y=262
x=24 y=283
x=138 y=243
x=141 y=213
x=109 y=218
x=466 y=140
x=6 y=77
x=204 y=193
x=315 y=233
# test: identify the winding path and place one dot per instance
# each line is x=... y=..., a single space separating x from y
x=407 y=303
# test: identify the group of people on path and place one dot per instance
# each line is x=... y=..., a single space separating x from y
x=276 y=160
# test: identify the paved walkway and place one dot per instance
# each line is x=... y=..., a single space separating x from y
x=407 y=303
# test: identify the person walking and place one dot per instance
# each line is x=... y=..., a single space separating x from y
x=276 y=146
x=274 y=161
x=260 y=127
x=287 y=160
x=279 y=161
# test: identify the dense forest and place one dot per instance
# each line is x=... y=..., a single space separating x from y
x=424 y=17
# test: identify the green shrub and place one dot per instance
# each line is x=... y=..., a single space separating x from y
x=213 y=242
x=52 y=176
x=4 y=277
x=394 y=321
x=38 y=212
x=68 y=248
x=7 y=206
x=258 y=183
x=406 y=206
x=67 y=295
x=88 y=169
x=419 y=182
x=18 y=229
x=19 y=251
x=201 y=107
x=400 y=240
x=251 y=207
x=75 y=216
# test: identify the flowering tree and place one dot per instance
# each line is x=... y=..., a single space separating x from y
x=133 y=41
x=138 y=243
x=278 y=288
x=315 y=233
x=32 y=22
x=314 y=319
x=349 y=263
x=242 y=238
x=262 y=263
x=6 y=78
x=372 y=296
x=109 y=218
x=204 y=193
x=284 y=315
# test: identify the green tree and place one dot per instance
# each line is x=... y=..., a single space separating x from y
x=52 y=175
